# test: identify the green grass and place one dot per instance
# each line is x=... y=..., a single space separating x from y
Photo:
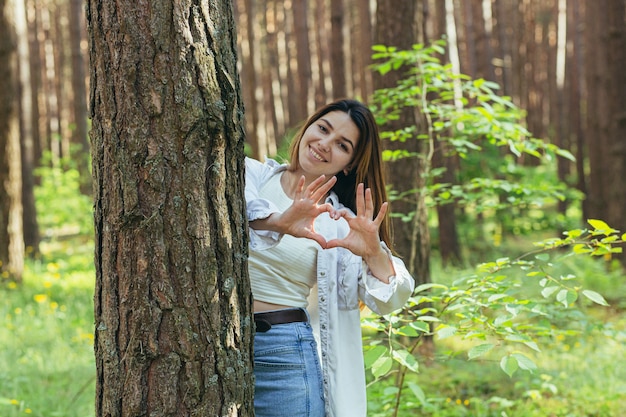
x=46 y=361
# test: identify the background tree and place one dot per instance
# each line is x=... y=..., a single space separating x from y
x=11 y=232
x=29 y=214
x=606 y=110
x=172 y=301
x=397 y=25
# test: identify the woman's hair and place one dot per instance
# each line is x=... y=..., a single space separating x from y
x=366 y=166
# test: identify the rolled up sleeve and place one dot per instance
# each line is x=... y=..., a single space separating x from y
x=385 y=298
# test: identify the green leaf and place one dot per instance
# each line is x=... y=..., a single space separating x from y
x=566 y=154
x=428 y=286
x=524 y=362
x=407 y=360
x=509 y=365
x=566 y=297
x=600 y=226
x=372 y=355
x=422 y=326
x=428 y=318
x=479 y=350
x=595 y=297
x=407 y=330
x=445 y=331
x=417 y=391
x=382 y=366
x=548 y=291
x=533 y=346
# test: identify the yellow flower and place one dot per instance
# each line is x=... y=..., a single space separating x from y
x=466 y=403
x=12 y=285
x=28 y=411
x=458 y=401
x=18 y=310
x=47 y=284
x=54 y=305
x=14 y=402
x=40 y=298
x=52 y=267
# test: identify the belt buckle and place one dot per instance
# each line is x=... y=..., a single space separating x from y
x=262 y=325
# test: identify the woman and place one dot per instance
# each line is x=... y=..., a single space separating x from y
x=320 y=222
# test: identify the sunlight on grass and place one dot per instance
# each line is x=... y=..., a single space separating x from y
x=47 y=366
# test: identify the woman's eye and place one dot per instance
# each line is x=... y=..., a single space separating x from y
x=323 y=128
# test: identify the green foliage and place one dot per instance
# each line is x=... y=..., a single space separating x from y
x=473 y=124
x=504 y=311
x=61 y=209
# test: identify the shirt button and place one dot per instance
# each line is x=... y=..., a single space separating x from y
x=323 y=273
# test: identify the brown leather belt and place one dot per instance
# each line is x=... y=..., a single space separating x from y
x=266 y=319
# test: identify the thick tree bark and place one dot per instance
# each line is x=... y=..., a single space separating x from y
x=11 y=233
x=172 y=301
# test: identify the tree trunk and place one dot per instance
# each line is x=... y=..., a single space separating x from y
x=616 y=57
x=449 y=247
x=269 y=72
x=79 y=133
x=246 y=11
x=396 y=26
x=337 y=55
x=172 y=301
x=35 y=75
x=598 y=110
x=29 y=213
x=363 y=51
x=321 y=47
x=11 y=234
x=303 y=59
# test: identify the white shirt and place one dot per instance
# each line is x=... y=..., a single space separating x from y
x=342 y=278
x=284 y=273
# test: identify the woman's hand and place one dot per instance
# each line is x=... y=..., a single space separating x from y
x=299 y=219
x=363 y=239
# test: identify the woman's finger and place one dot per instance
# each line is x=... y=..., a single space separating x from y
x=381 y=214
x=319 y=189
x=360 y=203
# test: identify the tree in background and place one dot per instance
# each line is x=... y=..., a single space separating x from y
x=606 y=111
x=11 y=230
x=396 y=25
x=172 y=301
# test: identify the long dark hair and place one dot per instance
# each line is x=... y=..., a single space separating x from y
x=366 y=166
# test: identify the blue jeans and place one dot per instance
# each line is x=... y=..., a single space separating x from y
x=287 y=373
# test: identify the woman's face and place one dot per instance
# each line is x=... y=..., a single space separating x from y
x=328 y=145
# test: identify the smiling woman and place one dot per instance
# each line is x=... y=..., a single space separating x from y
x=319 y=222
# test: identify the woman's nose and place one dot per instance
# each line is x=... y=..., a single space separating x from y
x=324 y=144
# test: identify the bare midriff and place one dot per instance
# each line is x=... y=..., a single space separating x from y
x=263 y=306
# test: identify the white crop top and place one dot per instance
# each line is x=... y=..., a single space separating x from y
x=283 y=274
